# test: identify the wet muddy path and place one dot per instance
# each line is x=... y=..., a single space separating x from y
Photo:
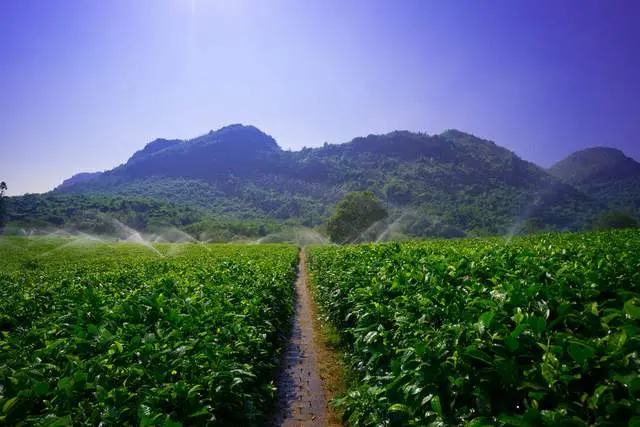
x=301 y=398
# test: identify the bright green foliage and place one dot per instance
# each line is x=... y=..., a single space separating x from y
x=539 y=331
x=119 y=335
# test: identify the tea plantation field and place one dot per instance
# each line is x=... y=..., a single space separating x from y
x=119 y=334
x=541 y=330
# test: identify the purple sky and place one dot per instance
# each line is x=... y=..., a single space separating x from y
x=83 y=84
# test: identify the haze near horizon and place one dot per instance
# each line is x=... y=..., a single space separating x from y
x=86 y=84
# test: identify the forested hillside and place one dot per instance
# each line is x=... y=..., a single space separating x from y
x=606 y=174
x=448 y=184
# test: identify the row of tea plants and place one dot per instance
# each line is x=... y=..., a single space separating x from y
x=116 y=334
x=537 y=331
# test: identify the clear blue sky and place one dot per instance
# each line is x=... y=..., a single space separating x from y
x=83 y=84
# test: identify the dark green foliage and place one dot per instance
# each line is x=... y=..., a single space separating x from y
x=612 y=220
x=461 y=183
x=354 y=214
x=211 y=230
x=95 y=213
x=3 y=207
x=397 y=192
x=594 y=165
x=119 y=335
x=543 y=331
x=605 y=174
x=230 y=197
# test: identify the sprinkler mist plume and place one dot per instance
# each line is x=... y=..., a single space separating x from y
x=175 y=235
x=79 y=239
x=301 y=236
x=26 y=233
x=384 y=236
x=130 y=235
x=67 y=238
x=362 y=237
x=382 y=230
x=517 y=225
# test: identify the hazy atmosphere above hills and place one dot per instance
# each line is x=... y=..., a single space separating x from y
x=86 y=84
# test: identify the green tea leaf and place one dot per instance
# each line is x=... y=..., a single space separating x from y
x=65 y=383
x=436 y=406
x=486 y=318
x=194 y=390
x=398 y=407
x=511 y=343
x=478 y=355
x=537 y=324
x=581 y=352
x=616 y=341
x=61 y=422
x=41 y=388
x=480 y=422
x=631 y=309
x=8 y=405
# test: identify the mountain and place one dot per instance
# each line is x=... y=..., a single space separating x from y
x=79 y=177
x=453 y=183
x=154 y=147
x=595 y=165
x=606 y=174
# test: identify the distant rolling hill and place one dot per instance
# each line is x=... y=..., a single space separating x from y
x=606 y=174
x=448 y=184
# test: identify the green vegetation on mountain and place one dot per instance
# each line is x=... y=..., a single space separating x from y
x=605 y=174
x=447 y=185
x=94 y=213
x=113 y=215
x=596 y=164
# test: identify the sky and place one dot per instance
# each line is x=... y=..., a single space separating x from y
x=84 y=84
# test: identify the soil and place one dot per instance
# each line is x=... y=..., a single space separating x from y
x=302 y=392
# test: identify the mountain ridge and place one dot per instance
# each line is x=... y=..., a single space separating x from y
x=77 y=178
x=595 y=164
x=605 y=173
x=470 y=184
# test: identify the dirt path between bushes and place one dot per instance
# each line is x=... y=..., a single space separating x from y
x=303 y=393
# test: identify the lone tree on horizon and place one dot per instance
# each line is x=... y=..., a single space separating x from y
x=3 y=213
x=354 y=214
